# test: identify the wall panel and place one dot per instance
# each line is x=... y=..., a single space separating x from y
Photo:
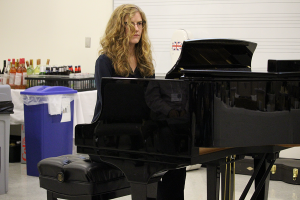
x=273 y=24
x=53 y=29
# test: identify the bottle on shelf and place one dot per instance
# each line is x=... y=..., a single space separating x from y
x=1 y=72
x=42 y=73
x=18 y=77
x=71 y=69
x=17 y=64
x=6 y=73
x=37 y=68
x=67 y=71
x=27 y=64
x=76 y=69
x=30 y=67
x=24 y=75
x=57 y=72
x=4 y=66
x=47 y=71
x=54 y=70
x=61 y=70
x=47 y=67
x=42 y=70
x=12 y=74
x=79 y=69
x=8 y=66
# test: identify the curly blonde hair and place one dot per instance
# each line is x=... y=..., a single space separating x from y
x=115 y=42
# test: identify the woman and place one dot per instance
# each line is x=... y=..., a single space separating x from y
x=126 y=52
x=126 y=49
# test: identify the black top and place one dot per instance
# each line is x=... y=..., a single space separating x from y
x=104 y=68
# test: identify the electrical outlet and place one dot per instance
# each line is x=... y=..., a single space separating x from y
x=87 y=42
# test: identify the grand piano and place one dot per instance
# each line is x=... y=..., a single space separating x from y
x=224 y=112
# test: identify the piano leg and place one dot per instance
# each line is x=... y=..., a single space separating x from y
x=263 y=178
x=262 y=167
x=227 y=180
x=213 y=181
x=50 y=196
x=141 y=191
x=138 y=191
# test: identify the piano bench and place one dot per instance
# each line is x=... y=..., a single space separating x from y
x=75 y=177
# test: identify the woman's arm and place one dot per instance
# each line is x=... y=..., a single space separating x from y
x=103 y=68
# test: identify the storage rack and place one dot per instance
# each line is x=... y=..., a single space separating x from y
x=79 y=83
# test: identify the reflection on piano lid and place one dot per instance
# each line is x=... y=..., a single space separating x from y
x=212 y=54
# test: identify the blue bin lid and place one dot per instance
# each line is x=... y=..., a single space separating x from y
x=48 y=90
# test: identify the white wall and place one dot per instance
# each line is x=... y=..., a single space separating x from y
x=272 y=24
x=54 y=29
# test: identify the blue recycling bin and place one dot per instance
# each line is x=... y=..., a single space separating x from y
x=48 y=120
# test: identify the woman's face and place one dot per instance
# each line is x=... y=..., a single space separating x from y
x=137 y=21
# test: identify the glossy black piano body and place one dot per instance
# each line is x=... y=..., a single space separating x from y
x=236 y=109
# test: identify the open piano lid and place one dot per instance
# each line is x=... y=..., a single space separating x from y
x=212 y=54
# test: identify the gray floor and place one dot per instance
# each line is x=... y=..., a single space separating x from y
x=26 y=187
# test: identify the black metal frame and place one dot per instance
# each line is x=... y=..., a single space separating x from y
x=262 y=166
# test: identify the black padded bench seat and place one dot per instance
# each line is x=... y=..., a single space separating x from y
x=75 y=177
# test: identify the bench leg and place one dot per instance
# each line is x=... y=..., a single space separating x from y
x=50 y=196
